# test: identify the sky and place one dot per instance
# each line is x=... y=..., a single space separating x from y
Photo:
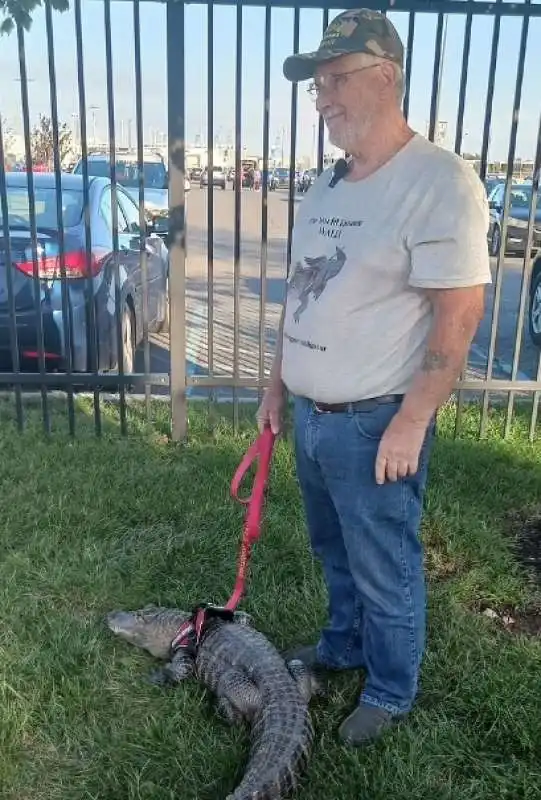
x=153 y=42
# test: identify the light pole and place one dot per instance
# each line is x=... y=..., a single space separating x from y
x=93 y=110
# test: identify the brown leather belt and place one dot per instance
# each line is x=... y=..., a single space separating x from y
x=359 y=405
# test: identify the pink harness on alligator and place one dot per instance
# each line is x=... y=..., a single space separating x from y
x=260 y=449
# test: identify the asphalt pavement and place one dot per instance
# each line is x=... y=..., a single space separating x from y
x=235 y=336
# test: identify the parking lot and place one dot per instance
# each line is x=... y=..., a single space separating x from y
x=249 y=292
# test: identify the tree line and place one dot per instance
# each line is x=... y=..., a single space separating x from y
x=41 y=141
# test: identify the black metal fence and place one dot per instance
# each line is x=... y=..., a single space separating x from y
x=239 y=363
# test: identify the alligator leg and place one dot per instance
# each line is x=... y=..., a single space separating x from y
x=227 y=711
x=180 y=667
x=308 y=684
x=239 y=692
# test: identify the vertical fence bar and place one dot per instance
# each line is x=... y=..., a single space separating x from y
x=238 y=189
x=436 y=79
x=13 y=338
x=177 y=229
x=141 y=182
x=490 y=97
x=525 y=280
x=67 y=319
x=293 y=141
x=463 y=83
x=535 y=404
x=264 y=202
x=210 y=194
x=321 y=123
x=119 y=309
x=458 y=149
x=409 y=63
x=490 y=94
x=32 y=218
x=90 y=320
x=507 y=196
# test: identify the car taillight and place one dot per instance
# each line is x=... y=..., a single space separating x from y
x=76 y=265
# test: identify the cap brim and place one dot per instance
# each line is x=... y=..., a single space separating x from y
x=301 y=66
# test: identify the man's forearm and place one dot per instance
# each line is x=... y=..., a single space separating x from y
x=448 y=345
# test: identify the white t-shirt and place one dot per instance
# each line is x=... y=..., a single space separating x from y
x=357 y=320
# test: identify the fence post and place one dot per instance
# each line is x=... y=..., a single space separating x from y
x=177 y=228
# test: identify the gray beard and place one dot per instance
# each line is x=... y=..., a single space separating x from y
x=351 y=135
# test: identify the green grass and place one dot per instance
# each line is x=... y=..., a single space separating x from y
x=90 y=525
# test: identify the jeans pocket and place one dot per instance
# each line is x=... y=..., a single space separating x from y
x=372 y=424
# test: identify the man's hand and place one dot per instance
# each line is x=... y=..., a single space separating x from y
x=270 y=412
x=399 y=449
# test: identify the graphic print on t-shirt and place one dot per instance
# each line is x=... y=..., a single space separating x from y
x=313 y=278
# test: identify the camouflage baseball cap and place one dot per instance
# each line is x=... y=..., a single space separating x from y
x=356 y=31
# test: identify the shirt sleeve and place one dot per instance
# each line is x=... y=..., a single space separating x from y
x=448 y=234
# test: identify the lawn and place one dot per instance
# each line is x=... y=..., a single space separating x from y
x=93 y=525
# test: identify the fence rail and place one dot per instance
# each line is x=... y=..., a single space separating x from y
x=96 y=314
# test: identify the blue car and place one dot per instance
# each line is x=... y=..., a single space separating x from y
x=90 y=285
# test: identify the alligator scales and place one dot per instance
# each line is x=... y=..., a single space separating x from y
x=250 y=681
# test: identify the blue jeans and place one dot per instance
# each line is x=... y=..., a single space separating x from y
x=367 y=538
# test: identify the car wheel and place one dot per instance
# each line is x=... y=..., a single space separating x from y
x=495 y=241
x=534 y=319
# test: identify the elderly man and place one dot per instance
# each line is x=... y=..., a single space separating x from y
x=385 y=293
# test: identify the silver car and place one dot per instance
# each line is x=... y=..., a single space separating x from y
x=90 y=282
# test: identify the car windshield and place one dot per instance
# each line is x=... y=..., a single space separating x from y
x=127 y=172
x=45 y=204
x=283 y=173
x=521 y=196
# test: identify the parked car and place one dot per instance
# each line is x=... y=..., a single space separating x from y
x=218 y=177
x=156 y=192
x=87 y=281
x=517 y=223
x=491 y=182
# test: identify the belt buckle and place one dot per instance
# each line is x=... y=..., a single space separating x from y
x=321 y=410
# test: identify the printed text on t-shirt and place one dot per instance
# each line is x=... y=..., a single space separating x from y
x=332 y=227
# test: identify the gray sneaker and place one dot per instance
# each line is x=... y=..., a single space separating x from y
x=305 y=653
x=366 y=724
x=308 y=655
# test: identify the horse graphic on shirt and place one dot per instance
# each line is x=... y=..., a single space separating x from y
x=313 y=278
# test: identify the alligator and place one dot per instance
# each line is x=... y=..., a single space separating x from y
x=250 y=681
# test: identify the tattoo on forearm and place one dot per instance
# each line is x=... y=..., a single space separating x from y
x=434 y=360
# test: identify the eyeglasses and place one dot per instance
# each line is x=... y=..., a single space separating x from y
x=334 y=80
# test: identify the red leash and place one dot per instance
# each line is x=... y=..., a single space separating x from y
x=261 y=449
